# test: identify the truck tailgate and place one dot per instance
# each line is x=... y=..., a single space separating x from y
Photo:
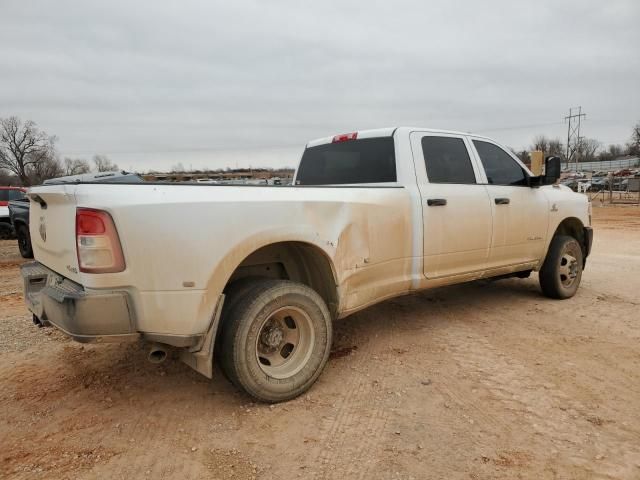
x=52 y=220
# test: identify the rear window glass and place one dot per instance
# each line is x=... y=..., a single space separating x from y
x=15 y=195
x=7 y=194
x=369 y=160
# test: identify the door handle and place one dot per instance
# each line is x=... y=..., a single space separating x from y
x=436 y=202
x=502 y=201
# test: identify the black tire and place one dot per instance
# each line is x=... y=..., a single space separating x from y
x=6 y=232
x=237 y=290
x=232 y=295
x=561 y=271
x=24 y=241
x=256 y=331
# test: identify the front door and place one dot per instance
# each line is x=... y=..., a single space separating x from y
x=520 y=213
x=455 y=206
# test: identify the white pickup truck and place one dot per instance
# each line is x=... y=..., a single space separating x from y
x=257 y=274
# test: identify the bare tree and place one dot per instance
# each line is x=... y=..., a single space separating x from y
x=103 y=164
x=47 y=167
x=7 y=178
x=23 y=146
x=177 y=168
x=556 y=148
x=633 y=147
x=76 y=166
x=541 y=143
x=549 y=146
x=611 y=153
x=586 y=150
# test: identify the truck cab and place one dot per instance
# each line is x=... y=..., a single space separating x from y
x=481 y=212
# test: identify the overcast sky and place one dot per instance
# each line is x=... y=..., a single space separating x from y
x=215 y=84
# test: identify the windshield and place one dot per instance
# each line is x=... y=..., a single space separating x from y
x=369 y=160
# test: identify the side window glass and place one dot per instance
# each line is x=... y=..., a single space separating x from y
x=500 y=168
x=447 y=160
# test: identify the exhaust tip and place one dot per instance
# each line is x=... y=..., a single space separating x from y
x=157 y=354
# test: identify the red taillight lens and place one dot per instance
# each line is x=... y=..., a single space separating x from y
x=89 y=222
x=345 y=137
x=97 y=242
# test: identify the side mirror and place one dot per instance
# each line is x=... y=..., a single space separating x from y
x=551 y=170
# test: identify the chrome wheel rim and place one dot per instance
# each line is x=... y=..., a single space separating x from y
x=569 y=268
x=285 y=342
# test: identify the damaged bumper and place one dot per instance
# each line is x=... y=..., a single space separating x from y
x=86 y=316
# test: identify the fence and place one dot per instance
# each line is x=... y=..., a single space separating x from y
x=605 y=166
x=616 y=190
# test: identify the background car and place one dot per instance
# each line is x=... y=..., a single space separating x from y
x=598 y=183
x=7 y=194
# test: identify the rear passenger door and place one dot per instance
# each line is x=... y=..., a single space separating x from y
x=520 y=213
x=455 y=205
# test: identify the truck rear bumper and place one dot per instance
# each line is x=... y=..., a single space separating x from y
x=86 y=316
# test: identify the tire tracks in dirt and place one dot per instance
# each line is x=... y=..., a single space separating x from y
x=542 y=405
x=350 y=445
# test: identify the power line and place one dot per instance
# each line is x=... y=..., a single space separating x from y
x=520 y=127
x=221 y=149
x=244 y=149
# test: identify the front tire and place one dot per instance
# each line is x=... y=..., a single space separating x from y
x=24 y=241
x=276 y=340
x=561 y=271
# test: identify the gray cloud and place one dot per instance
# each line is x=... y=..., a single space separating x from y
x=248 y=82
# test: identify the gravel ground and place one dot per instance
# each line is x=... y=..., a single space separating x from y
x=17 y=332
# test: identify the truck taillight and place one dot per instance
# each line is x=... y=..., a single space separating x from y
x=98 y=245
x=345 y=137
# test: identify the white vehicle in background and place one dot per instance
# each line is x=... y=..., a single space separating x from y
x=257 y=274
x=584 y=187
x=257 y=181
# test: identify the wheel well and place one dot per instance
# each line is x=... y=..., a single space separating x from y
x=296 y=261
x=572 y=227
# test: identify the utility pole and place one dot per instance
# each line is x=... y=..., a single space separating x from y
x=573 y=134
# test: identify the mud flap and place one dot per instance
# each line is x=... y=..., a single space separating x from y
x=200 y=358
x=588 y=242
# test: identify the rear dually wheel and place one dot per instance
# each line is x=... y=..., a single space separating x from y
x=276 y=339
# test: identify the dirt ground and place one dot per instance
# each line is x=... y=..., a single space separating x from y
x=479 y=381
